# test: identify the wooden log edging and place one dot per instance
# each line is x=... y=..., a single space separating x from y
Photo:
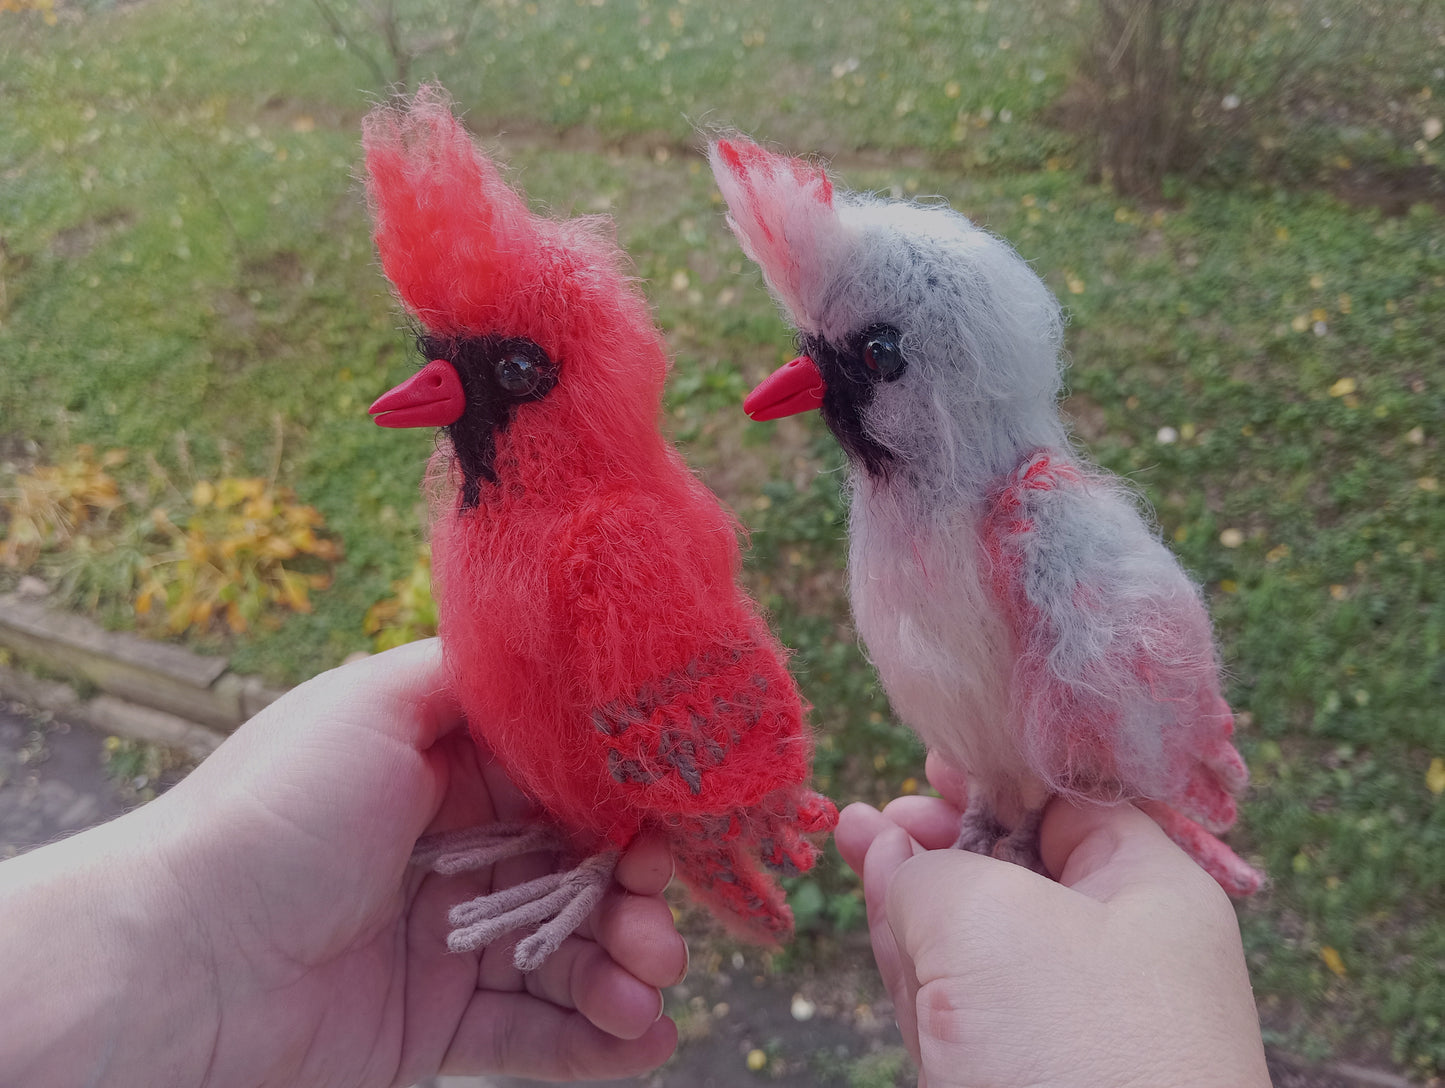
x=145 y=690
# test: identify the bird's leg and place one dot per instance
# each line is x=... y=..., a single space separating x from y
x=1021 y=845
x=984 y=832
x=560 y=901
x=451 y=852
x=981 y=830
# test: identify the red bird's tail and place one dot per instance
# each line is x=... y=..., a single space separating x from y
x=718 y=859
x=725 y=880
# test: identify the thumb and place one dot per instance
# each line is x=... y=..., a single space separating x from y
x=1105 y=851
x=357 y=743
x=889 y=850
x=403 y=692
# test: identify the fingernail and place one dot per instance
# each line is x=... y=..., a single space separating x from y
x=686 y=962
x=661 y=1007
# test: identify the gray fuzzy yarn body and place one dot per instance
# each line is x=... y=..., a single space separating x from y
x=992 y=681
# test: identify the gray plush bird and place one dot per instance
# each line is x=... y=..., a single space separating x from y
x=1024 y=617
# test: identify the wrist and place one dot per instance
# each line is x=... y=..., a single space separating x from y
x=105 y=970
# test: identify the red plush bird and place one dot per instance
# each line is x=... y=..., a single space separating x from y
x=586 y=582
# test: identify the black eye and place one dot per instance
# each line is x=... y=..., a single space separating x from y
x=522 y=377
x=881 y=353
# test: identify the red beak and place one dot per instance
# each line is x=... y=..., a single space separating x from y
x=432 y=397
x=794 y=387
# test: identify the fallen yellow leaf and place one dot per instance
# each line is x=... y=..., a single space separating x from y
x=1343 y=388
x=1333 y=961
x=1435 y=776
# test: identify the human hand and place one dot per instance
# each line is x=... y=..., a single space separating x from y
x=276 y=933
x=1127 y=971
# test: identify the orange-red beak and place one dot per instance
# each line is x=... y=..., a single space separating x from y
x=432 y=397
x=794 y=387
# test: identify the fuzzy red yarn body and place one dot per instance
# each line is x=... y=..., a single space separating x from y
x=602 y=651
x=586 y=582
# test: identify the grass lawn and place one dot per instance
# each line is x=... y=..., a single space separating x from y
x=186 y=275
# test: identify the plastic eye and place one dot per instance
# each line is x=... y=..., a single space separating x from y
x=522 y=377
x=882 y=355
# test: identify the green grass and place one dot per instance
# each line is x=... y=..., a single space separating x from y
x=188 y=275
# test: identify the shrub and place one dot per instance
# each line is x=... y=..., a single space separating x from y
x=226 y=554
x=232 y=556
x=409 y=613
x=1181 y=86
x=48 y=507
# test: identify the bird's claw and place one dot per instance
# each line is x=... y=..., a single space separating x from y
x=1021 y=848
x=982 y=833
x=560 y=901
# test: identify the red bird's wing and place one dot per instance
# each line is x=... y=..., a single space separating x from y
x=694 y=726
x=684 y=705
x=1116 y=670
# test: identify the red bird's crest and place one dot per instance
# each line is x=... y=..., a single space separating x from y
x=477 y=267
x=453 y=237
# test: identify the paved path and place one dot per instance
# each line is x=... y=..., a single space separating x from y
x=52 y=780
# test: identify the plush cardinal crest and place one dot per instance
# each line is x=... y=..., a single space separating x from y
x=782 y=212
x=508 y=301
x=1023 y=615
x=844 y=266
